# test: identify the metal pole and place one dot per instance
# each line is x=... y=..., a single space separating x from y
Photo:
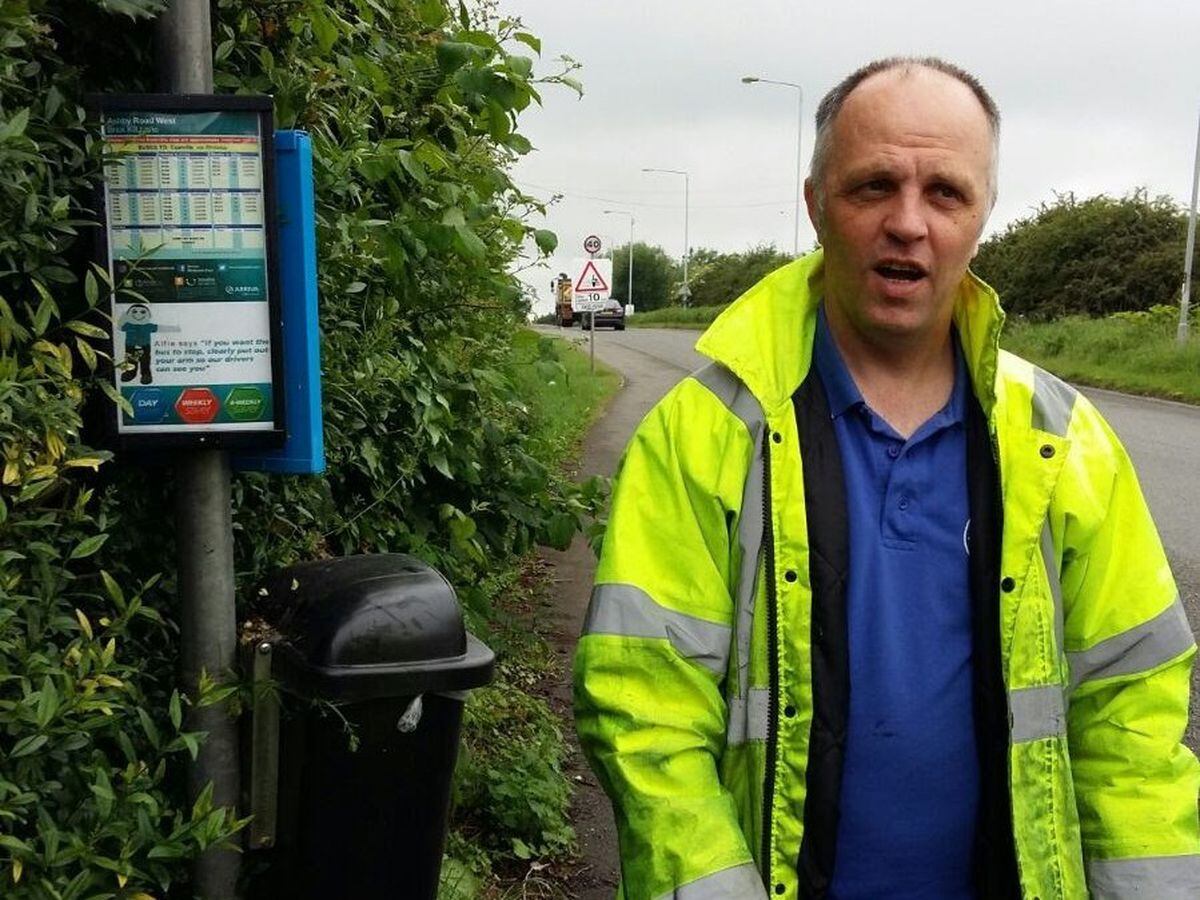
x=754 y=79
x=592 y=341
x=629 y=296
x=799 y=170
x=687 y=294
x=203 y=517
x=208 y=638
x=1186 y=296
x=184 y=36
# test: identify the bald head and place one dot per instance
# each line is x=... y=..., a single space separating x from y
x=912 y=85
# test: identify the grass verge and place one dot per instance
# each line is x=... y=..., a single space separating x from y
x=510 y=821
x=1132 y=352
x=697 y=317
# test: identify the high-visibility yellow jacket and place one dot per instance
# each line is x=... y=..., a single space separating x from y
x=710 y=680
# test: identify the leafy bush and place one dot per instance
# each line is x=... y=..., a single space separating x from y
x=413 y=116
x=720 y=278
x=511 y=771
x=1088 y=257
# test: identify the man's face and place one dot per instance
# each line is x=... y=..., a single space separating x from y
x=906 y=196
x=139 y=315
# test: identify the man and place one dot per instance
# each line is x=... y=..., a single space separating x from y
x=881 y=612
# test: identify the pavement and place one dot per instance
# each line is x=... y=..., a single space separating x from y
x=645 y=378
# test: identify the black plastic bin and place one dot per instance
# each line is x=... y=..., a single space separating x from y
x=380 y=638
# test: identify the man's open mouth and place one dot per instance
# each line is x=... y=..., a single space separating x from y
x=901 y=271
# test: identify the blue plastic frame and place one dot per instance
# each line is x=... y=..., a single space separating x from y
x=303 y=451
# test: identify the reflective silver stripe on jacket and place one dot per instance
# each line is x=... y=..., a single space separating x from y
x=628 y=611
x=1053 y=402
x=1139 y=649
x=1036 y=713
x=1050 y=558
x=739 y=883
x=748 y=717
x=744 y=722
x=1145 y=878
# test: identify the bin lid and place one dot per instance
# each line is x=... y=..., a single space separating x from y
x=364 y=627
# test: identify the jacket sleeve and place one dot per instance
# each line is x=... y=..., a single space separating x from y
x=1130 y=652
x=650 y=665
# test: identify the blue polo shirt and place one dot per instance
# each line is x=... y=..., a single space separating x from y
x=910 y=786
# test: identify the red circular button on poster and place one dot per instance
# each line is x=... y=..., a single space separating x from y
x=197 y=406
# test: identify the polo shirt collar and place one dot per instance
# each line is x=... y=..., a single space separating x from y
x=843 y=394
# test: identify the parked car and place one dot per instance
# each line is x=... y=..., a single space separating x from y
x=613 y=314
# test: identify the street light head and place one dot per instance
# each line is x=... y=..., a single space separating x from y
x=749 y=79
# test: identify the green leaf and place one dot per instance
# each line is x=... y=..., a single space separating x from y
x=519 y=143
x=453 y=55
x=356 y=287
x=438 y=458
x=531 y=41
x=412 y=166
x=323 y=27
x=87 y=329
x=88 y=546
x=547 y=241
x=174 y=710
x=91 y=290
x=432 y=13
x=468 y=243
x=31 y=743
x=149 y=728
x=113 y=590
x=521 y=65
x=15 y=127
x=110 y=391
x=86 y=353
x=560 y=531
x=48 y=701
x=54 y=99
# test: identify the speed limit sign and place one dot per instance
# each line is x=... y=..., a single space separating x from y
x=591 y=244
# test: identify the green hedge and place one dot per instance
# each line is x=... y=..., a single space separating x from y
x=412 y=112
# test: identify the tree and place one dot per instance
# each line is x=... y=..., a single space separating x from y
x=654 y=276
x=723 y=277
x=1091 y=257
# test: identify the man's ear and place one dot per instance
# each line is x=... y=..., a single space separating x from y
x=814 y=211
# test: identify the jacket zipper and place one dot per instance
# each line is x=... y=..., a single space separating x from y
x=772 y=661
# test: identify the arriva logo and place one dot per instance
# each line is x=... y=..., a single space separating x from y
x=241 y=289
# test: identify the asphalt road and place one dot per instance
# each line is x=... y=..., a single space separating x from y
x=1163 y=439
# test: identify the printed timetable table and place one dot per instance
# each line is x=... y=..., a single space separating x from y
x=185 y=193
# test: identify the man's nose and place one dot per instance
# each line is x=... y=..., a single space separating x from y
x=905 y=221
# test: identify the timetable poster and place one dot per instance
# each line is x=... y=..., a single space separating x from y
x=186 y=227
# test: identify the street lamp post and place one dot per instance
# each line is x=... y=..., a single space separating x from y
x=621 y=212
x=754 y=79
x=1185 y=297
x=686 y=249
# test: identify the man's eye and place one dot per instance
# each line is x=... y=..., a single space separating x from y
x=875 y=186
x=947 y=192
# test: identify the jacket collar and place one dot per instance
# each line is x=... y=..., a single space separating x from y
x=765 y=337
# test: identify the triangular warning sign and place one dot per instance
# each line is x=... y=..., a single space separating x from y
x=590 y=280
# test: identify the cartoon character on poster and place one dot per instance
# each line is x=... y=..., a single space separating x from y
x=139 y=328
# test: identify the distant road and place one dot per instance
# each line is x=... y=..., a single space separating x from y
x=1162 y=437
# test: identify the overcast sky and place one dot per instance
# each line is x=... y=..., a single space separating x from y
x=1096 y=97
